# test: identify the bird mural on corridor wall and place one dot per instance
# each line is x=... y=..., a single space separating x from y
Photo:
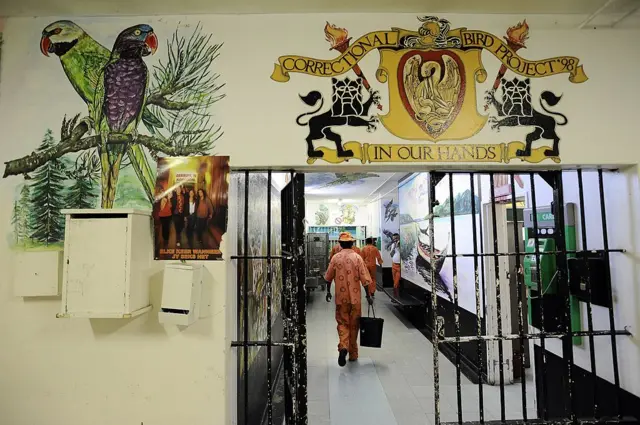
x=83 y=59
x=119 y=99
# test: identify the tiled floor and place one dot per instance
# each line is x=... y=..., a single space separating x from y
x=392 y=384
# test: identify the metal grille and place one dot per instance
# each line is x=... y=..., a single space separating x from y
x=254 y=406
x=561 y=328
x=572 y=275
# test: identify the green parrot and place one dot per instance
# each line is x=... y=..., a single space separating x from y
x=83 y=60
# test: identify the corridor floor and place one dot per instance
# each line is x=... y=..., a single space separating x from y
x=393 y=384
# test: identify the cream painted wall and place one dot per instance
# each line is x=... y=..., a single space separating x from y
x=373 y=211
x=73 y=372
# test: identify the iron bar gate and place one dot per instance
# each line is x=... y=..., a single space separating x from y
x=550 y=314
x=291 y=367
x=553 y=315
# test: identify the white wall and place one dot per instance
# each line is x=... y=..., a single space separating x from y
x=373 y=211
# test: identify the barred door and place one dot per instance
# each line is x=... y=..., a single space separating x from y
x=293 y=245
x=512 y=279
x=272 y=367
x=534 y=275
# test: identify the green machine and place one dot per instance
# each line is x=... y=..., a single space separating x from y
x=541 y=279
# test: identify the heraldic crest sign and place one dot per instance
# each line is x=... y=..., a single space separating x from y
x=431 y=75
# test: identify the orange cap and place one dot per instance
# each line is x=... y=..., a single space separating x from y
x=346 y=237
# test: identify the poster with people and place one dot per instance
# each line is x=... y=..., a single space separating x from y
x=190 y=207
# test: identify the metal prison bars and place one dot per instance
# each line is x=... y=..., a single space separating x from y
x=292 y=302
x=561 y=253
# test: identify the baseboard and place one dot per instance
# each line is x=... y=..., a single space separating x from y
x=557 y=405
x=385 y=277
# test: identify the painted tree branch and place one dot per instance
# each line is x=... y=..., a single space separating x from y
x=77 y=142
x=158 y=99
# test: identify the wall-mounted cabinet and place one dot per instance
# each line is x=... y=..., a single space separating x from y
x=38 y=273
x=107 y=259
x=181 y=294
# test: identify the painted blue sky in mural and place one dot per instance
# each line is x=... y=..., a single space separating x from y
x=349 y=185
x=325 y=180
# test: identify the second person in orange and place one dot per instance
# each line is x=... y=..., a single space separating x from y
x=371 y=256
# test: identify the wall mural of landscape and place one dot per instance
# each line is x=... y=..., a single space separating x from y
x=416 y=233
x=100 y=158
x=390 y=224
x=333 y=180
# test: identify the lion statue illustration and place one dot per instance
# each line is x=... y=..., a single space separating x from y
x=348 y=109
x=516 y=109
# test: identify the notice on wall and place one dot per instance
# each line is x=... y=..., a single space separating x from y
x=190 y=207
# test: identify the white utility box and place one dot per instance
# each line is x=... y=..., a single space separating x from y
x=37 y=273
x=107 y=263
x=181 y=294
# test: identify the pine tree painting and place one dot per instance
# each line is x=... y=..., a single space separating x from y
x=81 y=195
x=15 y=222
x=46 y=222
x=23 y=231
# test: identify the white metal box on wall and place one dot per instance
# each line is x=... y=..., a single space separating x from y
x=38 y=273
x=181 y=294
x=107 y=263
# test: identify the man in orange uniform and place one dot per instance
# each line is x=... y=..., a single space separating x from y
x=395 y=263
x=337 y=248
x=370 y=255
x=348 y=270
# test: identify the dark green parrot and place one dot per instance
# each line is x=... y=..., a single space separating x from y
x=83 y=60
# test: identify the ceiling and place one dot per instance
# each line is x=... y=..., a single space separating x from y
x=346 y=186
x=584 y=13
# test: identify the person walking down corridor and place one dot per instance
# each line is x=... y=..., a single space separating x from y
x=348 y=270
x=371 y=257
x=395 y=260
x=337 y=248
x=334 y=250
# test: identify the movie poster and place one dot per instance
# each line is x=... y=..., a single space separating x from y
x=190 y=207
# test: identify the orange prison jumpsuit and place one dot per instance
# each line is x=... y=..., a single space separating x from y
x=370 y=254
x=348 y=270
x=395 y=271
x=337 y=248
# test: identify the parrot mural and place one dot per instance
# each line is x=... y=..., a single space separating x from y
x=83 y=60
x=119 y=99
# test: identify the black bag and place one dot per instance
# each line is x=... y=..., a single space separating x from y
x=371 y=330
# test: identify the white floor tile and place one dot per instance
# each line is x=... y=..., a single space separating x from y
x=393 y=384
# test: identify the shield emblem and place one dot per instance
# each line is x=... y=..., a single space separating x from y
x=432 y=93
x=432 y=87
